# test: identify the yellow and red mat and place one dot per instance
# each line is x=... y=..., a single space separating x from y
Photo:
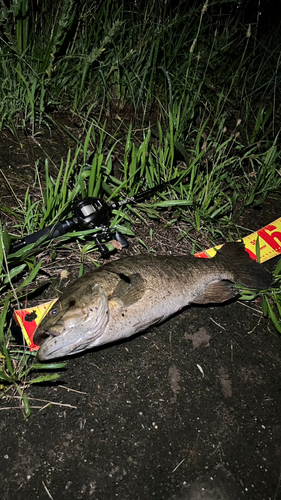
x=269 y=244
x=29 y=319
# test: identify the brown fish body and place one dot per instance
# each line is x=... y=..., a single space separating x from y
x=167 y=290
x=126 y=296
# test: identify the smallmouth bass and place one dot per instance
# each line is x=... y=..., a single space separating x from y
x=129 y=295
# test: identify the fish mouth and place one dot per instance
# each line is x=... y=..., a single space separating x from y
x=51 y=347
x=47 y=352
x=40 y=337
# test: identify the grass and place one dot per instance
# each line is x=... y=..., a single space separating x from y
x=200 y=87
x=18 y=364
x=83 y=56
x=271 y=299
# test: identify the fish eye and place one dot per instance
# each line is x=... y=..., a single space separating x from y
x=54 y=312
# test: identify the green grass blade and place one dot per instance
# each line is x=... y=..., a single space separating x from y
x=3 y=337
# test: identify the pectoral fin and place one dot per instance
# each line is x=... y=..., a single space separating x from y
x=129 y=290
x=217 y=292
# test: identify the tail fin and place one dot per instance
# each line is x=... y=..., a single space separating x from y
x=246 y=271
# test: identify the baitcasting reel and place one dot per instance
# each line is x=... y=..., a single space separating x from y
x=90 y=213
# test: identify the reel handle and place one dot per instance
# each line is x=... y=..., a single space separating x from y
x=121 y=239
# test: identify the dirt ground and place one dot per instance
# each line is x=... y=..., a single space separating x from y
x=189 y=410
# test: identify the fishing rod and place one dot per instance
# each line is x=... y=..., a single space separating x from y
x=90 y=213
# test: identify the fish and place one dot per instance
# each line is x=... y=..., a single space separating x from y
x=128 y=295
